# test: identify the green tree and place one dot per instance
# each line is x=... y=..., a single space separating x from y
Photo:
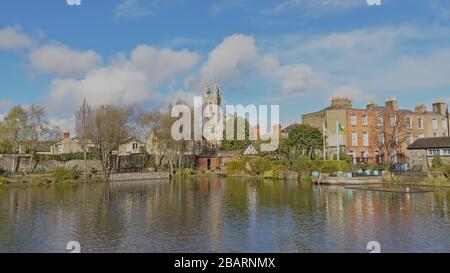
x=301 y=141
x=235 y=144
x=13 y=129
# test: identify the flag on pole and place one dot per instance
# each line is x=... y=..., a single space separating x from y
x=341 y=128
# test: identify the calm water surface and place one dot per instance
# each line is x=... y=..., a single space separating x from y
x=220 y=215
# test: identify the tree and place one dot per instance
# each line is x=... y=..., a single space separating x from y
x=235 y=144
x=302 y=141
x=110 y=129
x=84 y=122
x=39 y=128
x=13 y=129
x=391 y=135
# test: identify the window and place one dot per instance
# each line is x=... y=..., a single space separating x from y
x=135 y=146
x=380 y=139
x=365 y=120
x=433 y=152
x=365 y=139
x=444 y=124
x=393 y=120
x=409 y=123
x=420 y=122
x=380 y=121
x=435 y=124
x=353 y=120
x=354 y=139
x=446 y=152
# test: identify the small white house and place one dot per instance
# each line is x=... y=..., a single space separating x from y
x=131 y=146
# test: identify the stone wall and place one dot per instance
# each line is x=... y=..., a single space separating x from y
x=21 y=164
x=139 y=176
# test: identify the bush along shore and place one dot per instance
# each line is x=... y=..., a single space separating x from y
x=57 y=176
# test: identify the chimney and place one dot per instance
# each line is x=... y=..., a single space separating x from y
x=372 y=104
x=256 y=133
x=338 y=102
x=66 y=135
x=439 y=108
x=392 y=103
x=420 y=108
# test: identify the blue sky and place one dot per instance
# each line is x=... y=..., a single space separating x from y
x=295 y=53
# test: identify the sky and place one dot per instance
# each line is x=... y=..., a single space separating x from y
x=294 y=53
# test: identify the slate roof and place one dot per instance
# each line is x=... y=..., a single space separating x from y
x=430 y=143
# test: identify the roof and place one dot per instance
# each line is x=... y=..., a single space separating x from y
x=43 y=147
x=430 y=143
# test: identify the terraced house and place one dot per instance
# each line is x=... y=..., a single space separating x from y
x=364 y=134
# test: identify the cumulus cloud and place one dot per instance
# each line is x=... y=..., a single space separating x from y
x=351 y=92
x=62 y=61
x=293 y=78
x=127 y=80
x=13 y=39
x=234 y=56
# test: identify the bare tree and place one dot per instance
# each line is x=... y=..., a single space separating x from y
x=39 y=128
x=84 y=122
x=111 y=128
x=391 y=135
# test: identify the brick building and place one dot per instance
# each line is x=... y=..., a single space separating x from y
x=364 y=132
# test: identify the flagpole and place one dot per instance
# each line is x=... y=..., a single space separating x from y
x=337 y=141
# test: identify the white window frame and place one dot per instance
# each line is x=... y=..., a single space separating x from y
x=366 y=139
x=420 y=123
x=355 y=139
x=381 y=140
x=434 y=123
x=353 y=120
x=409 y=123
x=365 y=120
x=380 y=121
x=433 y=152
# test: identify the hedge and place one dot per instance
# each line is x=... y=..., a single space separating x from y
x=68 y=157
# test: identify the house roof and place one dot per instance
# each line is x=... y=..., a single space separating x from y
x=44 y=146
x=430 y=143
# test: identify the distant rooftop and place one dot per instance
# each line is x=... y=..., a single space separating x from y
x=430 y=143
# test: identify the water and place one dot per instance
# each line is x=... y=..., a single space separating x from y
x=220 y=215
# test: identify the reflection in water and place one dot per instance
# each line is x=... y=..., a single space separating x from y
x=220 y=215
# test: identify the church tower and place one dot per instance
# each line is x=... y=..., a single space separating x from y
x=212 y=96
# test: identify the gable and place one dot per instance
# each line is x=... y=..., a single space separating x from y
x=250 y=150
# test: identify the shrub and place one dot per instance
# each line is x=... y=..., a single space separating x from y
x=236 y=166
x=331 y=166
x=437 y=162
x=303 y=167
x=3 y=181
x=262 y=165
x=68 y=157
x=62 y=175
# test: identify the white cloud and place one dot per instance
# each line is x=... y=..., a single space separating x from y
x=293 y=78
x=65 y=124
x=233 y=57
x=127 y=80
x=352 y=92
x=135 y=8
x=62 y=61
x=13 y=39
